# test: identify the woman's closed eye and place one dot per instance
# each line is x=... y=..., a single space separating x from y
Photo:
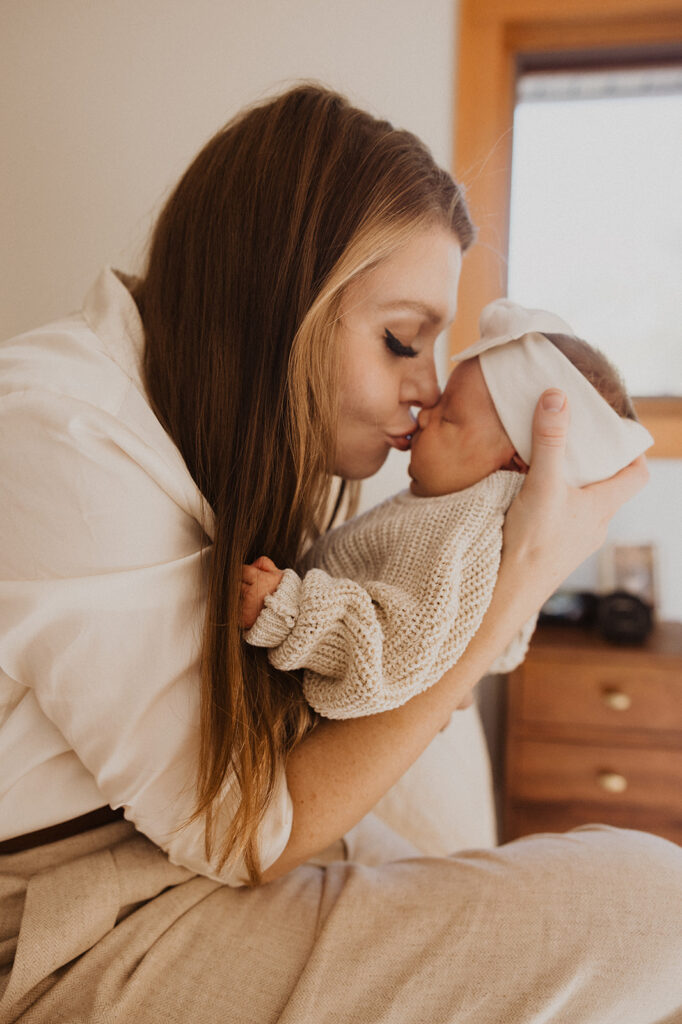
x=397 y=347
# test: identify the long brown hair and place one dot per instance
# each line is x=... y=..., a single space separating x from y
x=247 y=265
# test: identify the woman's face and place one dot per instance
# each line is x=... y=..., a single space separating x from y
x=390 y=319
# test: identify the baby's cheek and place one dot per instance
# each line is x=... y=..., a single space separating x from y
x=427 y=452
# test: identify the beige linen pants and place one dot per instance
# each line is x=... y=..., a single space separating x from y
x=583 y=927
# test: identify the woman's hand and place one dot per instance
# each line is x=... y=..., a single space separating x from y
x=550 y=527
x=259 y=579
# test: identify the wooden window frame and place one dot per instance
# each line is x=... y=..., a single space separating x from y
x=496 y=38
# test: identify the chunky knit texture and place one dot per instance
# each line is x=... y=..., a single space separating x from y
x=389 y=601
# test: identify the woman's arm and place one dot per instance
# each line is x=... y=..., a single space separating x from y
x=339 y=772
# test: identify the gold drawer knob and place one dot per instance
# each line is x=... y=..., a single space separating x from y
x=616 y=700
x=612 y=782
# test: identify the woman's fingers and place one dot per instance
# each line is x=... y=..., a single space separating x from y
x=612 y=493
x=551 y=528
x=550 y=428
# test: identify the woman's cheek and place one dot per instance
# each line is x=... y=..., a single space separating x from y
x=359 y=392
x=376 y=391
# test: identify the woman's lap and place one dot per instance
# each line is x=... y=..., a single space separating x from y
x=582 y=927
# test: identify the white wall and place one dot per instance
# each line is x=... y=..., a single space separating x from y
x=104 y=103
x=653 y=517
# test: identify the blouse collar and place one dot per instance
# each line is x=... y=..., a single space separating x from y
x=111 y=312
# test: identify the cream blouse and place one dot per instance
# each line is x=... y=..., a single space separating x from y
x=102 y=592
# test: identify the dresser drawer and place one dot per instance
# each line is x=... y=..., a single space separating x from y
x=524 y=819
x=589 y=774
x=589 y=694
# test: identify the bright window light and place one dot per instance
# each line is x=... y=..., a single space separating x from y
x=596 y=213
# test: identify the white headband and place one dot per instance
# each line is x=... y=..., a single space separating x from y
x=519 y=363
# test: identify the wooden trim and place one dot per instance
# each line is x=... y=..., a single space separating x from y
x=663 y=418
x=494 y=36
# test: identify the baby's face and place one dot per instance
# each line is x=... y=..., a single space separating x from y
x=461 y=439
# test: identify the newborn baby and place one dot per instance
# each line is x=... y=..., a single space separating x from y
x=382 y=606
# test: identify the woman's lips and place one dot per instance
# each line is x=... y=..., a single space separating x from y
x=401 y=442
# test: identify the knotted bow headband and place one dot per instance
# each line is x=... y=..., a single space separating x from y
x=518 y=363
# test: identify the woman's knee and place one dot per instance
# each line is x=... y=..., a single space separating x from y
x=632 y=847
x=628 y=852
x=631 y=870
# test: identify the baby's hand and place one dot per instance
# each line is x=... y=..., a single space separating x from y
x=259 y=579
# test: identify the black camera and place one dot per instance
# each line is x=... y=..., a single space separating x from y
x=623 y=618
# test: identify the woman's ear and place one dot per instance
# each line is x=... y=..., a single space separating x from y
x=516 y=464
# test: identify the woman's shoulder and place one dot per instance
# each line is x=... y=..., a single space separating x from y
x=93 y=355
x=81 y=445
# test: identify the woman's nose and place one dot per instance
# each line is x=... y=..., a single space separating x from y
x=424 y=387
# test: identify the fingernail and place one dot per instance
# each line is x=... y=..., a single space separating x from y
x=553 y=401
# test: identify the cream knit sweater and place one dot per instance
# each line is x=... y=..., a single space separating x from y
x=389 y=601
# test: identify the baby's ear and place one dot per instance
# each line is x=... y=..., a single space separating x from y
x=516 y=464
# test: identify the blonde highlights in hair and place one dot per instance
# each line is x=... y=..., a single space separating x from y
x=314 y=359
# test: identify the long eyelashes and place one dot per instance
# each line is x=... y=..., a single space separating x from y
x=397 y=347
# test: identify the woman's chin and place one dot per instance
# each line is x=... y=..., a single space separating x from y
x=360 y=466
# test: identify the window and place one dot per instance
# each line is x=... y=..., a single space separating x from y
x=499 y=42
x=596 y=212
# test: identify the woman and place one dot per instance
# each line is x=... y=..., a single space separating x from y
x=179 y=427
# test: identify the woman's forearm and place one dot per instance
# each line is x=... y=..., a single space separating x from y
x=342 y=768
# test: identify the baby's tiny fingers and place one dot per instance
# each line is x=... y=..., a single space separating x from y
x=248 y=614
x=265 y=564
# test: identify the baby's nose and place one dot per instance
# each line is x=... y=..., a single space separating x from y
x=422 y=418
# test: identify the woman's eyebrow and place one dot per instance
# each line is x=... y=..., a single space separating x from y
x=414 y=306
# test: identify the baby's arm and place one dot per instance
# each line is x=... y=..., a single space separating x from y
x=259 y=579
x=317 y=622
x=370 y=646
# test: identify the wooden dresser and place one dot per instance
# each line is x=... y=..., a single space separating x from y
x=594 y=734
